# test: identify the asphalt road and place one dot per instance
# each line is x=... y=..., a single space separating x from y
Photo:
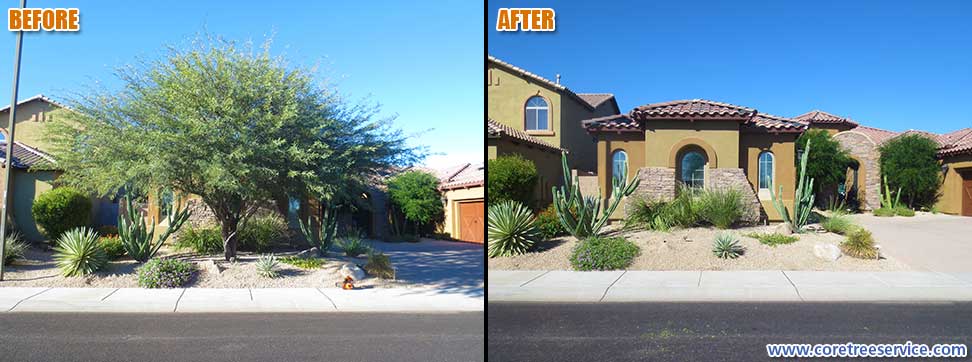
x=242 y=337
x=708 y=331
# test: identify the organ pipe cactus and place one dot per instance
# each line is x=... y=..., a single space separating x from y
x=886 y=201
x=804 y=197
x=585 y=216
x=323 y=237
x=139 y=241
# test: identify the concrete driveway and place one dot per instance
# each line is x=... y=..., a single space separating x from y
x=940 y=243
x=450 y=266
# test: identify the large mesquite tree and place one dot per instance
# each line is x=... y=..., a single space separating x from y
x=229 y=123
x=909 y=162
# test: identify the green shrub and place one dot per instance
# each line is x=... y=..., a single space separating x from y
x=909 y=163
x=165 y=273
x=303 y=263
x=827 y=164
x=379 y=265
x=202 y=240
x=721 y=207
x=352 y=246
x=726 y=246
x=79 y=253
x=416 y=195
x=510 y=229
x=511 y=178
x=838 y=224
x=266 y=266
x=773 y=239
x=860 y=244
x=107 y=230
x=883 y=212
x=603 y=253
x=549 y=224
x=14 y=248
x=113 y=246
x=904 y=211
x=260 y=233
x=61 y=209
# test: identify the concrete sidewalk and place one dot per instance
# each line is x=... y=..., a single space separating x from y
x=199 y=300
x=727 y=286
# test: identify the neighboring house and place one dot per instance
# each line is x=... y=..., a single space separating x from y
x=532 y=116
x=463 y=189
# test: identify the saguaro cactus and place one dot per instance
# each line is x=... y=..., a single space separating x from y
x=585 y=216
x=803 y=199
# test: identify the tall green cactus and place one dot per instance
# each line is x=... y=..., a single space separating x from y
x=323 y=238
x=886 y=201
x=584 y=216
x=139 y=241
x=804 y=197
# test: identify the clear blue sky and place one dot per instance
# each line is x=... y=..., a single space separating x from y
x=888 y=64
x=420 y=60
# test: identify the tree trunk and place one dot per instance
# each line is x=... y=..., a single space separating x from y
x=228 y=230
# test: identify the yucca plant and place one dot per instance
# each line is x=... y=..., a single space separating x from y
x=353 y=246
x=510 y=229
x=79 y=253
x=323 y=236
x=804 y=197
x=726 y=246
x=266 y=266
x=14 y=248
x=139 y=240
x=584 y=216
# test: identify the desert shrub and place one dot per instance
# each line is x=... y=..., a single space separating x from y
x=909 y=163
x=202 y=240
x=61 y=209
x=260 y=233
x=79 y=253
x=352 y=246
x=379 y=265
x=107 y=230
x=904 y=211
x=549 y=224
x=14 y=248
x=603 y=253
x=773 y=239
x=303 y=263
x=511 y=178
x=883 y=212
x=416 y=195
x=113 y=246
x=165 y=273
x=828 y=162
x=838 y=224
x=510 y=229
x=721 y=207
x=726 y=246
x=860 y=244
x=266 y=266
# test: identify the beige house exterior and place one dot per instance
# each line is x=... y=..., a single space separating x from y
x=464 y=195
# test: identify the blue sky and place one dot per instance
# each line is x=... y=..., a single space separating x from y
x=420 y=60
x=893 y=65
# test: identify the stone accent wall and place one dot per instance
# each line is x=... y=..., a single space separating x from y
x=866 y=152
x=735 y=178
x=201 y=215
x=657 y=183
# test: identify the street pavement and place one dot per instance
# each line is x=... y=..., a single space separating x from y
x=242 y=337
x=683 y=331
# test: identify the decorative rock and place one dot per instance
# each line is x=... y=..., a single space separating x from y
x=814 y=228
x=828 y=252
x=308 y=254
x=212 y=267
x=783 y=228
x=351 y=270
x=687 y=239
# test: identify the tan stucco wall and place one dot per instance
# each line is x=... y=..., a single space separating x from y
x=783 y=148
x=950 y=201
x=32 y=117
x=633 y=143
x=453 y=198
x=664 y=138
x=548 y=165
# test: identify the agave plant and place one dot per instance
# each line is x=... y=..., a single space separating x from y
x=803 y=199
x=353 y=246
x=79 y=253
x=584 y=216
x=14 y=248
x=323 y=237
x=140 y=242
x=726 y=246
x=510 y=229
x=266 y=266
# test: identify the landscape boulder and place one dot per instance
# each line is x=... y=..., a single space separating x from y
x=828 y=252
x=783 y=228
x=351 y=270
x=308 y=254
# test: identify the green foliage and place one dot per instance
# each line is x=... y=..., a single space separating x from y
x=260 y=233
x=909 y=163
x=107 y=230
x=14 y=248
x=726 y=246
x=113 y=246
x=773 y=239
x=886 y=201
x=883 y=212
x=511 y=177
x=78 y=252
x=860 y=244
x=165 y=273
x=323 y=236
x=721 y=207
x=510 y=229
x=266 y=266
x=804 y=195
x=141 y=243
x=548 y=224
x=202 y=240
x=690 y=207
x=379 y=265
x=602 y=253
x=828 y=165
x=416 y=194
x=838 y=224
x=60 y=210
x=584 y=216
x=904 y=211
x=353 y=246
x=303 y=263
x=229 y=122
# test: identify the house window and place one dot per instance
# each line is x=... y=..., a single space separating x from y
x=693 y=169
x=537 y=114
x=765 y=170
x=619 y=163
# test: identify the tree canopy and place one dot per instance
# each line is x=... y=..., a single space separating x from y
x=828 y=162
x=909 y=162
x=228 y=122
x=416 y=195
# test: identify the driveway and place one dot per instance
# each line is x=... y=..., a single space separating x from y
x=940 y=243
x=451 y=266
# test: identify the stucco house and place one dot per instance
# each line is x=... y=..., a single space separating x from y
x=464 y=194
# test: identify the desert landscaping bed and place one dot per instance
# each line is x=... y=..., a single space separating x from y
x=691 y=249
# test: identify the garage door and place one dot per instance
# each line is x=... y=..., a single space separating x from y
x=967 y=194
x=471 y=221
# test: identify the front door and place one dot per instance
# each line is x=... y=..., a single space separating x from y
x=967 y=194
x=471 y=226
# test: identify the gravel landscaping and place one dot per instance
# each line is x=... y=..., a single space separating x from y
x=691 y=249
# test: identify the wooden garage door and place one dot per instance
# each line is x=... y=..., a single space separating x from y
x=967 y=194
x=471 y=221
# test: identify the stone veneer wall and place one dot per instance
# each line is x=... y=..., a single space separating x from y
x=735 y=178
x=866 y=152
x=657 y=183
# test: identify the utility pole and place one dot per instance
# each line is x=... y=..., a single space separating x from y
x=10 y=138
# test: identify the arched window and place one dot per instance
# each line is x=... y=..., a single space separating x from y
x=619 y=163
x=693 y=169
x=765 y=170
x=537 y=114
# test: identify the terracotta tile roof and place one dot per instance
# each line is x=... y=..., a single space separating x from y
x=595 y=99
x=468 y=175
x=617 y=122
x=957 y=142
x=769 y=122
x=934 y=137
x=693 y=108
x=876 y=134
x=528 y=74
x=497 y=130
x=818 y=116
x=25 y=157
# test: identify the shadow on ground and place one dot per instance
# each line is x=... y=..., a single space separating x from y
x=451 y=267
